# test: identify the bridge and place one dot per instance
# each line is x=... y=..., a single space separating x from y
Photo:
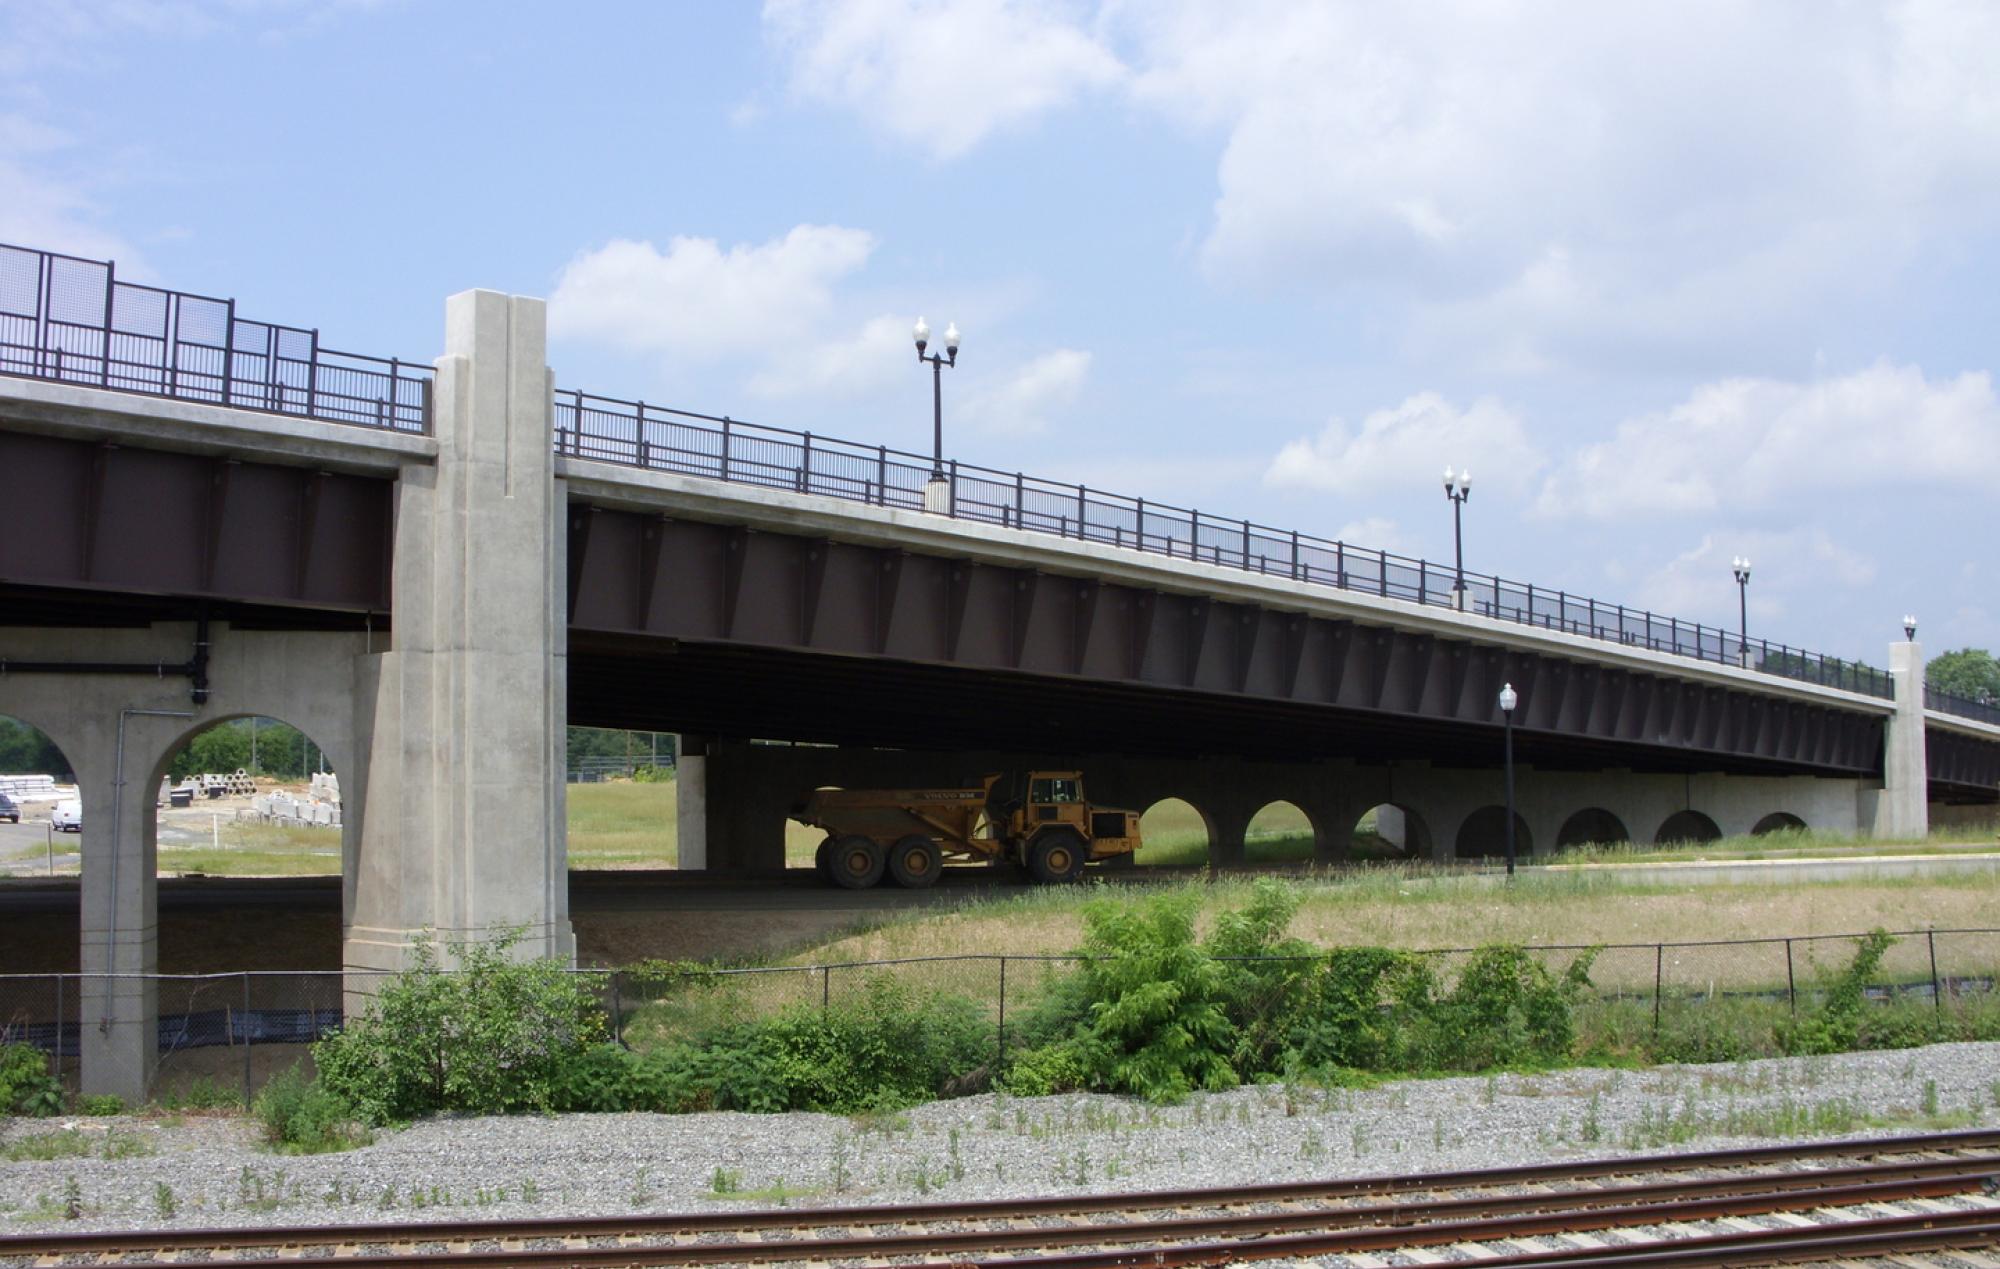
x=433 y=568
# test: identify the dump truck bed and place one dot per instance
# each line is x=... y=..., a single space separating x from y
x=952 y=816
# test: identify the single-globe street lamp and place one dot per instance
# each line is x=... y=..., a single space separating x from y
x=1509 y=698
x=937 y=493
x=1458 y=487
x=1741 y=566
x=1910 y=628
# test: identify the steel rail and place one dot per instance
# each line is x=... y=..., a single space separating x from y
x=1377 y=1186
x=1460 y=1218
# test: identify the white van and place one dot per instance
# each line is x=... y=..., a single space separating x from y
x=68 y=816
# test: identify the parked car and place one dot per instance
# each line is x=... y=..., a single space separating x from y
x=68 y=816
x=10 y=810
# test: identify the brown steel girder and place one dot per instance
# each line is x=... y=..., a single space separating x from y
x=722 y=592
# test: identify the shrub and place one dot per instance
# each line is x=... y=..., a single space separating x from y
x=492 y=1035
x=1836 y=1024
x=100 y=1104
x=1363 y=1010
x=302 y=1116
x=27 y=1085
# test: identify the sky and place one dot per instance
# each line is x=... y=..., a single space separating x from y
x=1676 y=283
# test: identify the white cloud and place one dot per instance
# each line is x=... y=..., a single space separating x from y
x=1538 y=184
x=844 y=366
x=1752 y=442
x=49 y=211
x=698 y=302
x=1409 y=446
x=1694 y=580
x=1027 y=400
x=941 y=77
x=1378 y=533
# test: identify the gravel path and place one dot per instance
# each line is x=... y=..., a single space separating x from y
x=208 y=1171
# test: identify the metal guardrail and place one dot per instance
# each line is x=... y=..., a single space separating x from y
x=1963 y=706
x=636 y=434
x=71 y=320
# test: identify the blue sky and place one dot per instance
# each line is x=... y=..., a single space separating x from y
x=1676 y=282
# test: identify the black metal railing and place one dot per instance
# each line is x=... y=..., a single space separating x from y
x=71 y=320
x=1963 y=706
x=636 y=434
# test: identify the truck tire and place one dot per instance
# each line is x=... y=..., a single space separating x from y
x=915 y=862
x=855 y=862
x=1056 y=856
x=823 y=859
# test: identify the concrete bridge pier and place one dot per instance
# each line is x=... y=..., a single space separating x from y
x=466 y=710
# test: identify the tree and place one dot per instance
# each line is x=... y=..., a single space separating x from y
x=1969 y=672
x=219 y=750
x=26 y=751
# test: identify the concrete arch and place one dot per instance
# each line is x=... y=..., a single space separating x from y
x=1273 y=833
x=1778 y=822
x=1484 y=834
x=175 y=747
x=1687 y=826
x=1398 y=826
x=1593 y=825
x=1169 y=839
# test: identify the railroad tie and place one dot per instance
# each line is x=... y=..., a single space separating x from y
x=1425 y=1255
x=1362 y=1260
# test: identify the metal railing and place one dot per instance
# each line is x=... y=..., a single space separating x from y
x=636 y=434
x=1963 y=706
x=71 y=320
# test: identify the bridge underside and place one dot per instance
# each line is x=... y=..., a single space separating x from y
x=705 y=628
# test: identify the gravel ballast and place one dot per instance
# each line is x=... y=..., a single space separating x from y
x=206 y=1171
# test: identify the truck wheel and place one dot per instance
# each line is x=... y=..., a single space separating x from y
x=915 y=862
x=855 y=862
x=823 y=859
x=1056 y=856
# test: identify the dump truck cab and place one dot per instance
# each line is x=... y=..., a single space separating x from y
x=1052 y=828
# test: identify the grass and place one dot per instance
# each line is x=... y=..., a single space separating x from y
x=1788 y=844
x=250 y=849
x=1417 y=907
x=625 y=824
x=73 y=1143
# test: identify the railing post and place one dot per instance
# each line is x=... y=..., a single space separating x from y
x=1295 y=555
x=312 y=376
x=1020 y=496
x=395 y=388
x=806 y=464
x=1082 y=511
x=1246 y=544
x=952 y=510
x=1140 y=521
x=576 y=429
x=1340 y=564
x=881 y=475
x=639 y=455
x=228 y=349
x=1423 y=579
x=725 y=447
x=110 y=297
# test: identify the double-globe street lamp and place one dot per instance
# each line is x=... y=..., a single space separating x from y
x=937 y=492
x=1458 y=487
x=1910 y=628
x=1509 y=698
x=1741 y=566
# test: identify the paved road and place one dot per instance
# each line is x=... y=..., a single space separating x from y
x=24 y=846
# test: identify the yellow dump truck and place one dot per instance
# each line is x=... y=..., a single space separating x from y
x=1041 y=821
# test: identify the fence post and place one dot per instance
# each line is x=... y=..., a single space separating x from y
x=110 y=299
x=825 y=987
x=725 y=447
x=1423 y=579
x=228 y=350
x=806 y=464
x=243 y=1024
x=312 y=376
x=1020 y=497
x=1139 y=534
x=1937 y=988
x=1659 y=968
x=1082 y=511
x=1340 y=564
x=1791 y=981
x=881 y=475
x=617 y=1011
x=59 y=1024
x=1001 y=1061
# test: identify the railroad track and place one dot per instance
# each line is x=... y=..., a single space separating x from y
x=1887 y=1200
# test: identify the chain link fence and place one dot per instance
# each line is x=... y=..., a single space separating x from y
x=221 y=1036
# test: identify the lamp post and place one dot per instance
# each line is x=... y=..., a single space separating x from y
x=1741 y=566
x=1458 y=487
x=1509 y=698
x=1910 y=628
x=937 y=493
